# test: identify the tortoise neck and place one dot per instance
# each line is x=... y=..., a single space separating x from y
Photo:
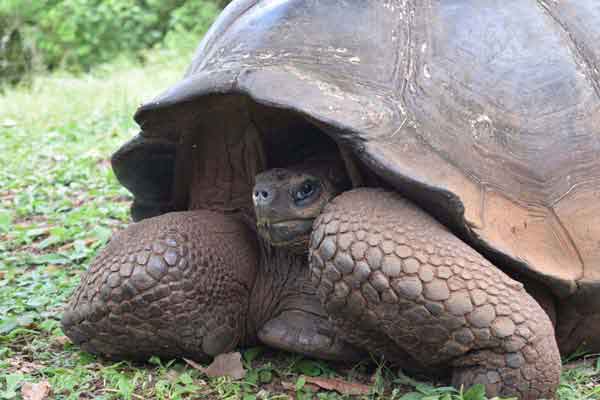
x=282 y=283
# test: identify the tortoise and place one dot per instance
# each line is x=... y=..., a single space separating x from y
x=416 y=181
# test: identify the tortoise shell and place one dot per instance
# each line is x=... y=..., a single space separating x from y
x=485 y=113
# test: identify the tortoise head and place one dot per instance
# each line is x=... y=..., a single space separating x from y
x=287 y=200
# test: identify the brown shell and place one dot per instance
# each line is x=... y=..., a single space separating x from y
x=487 y=113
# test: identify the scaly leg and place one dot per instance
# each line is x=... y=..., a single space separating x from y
x=383 y=265
x=173 y=285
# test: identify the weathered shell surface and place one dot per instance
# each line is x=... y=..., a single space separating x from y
x=487 y=111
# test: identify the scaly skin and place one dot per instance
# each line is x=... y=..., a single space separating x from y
x=391 y=280
x=390 y=275
x=194 y=284
x=173 y=285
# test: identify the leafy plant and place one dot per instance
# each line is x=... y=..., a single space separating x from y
x=78 y=34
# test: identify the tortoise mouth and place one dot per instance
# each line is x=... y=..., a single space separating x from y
x=285 y=232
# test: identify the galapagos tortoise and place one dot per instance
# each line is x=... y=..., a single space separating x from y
x=479 y=252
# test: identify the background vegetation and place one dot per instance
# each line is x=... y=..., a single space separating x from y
x=83 y=68
x=38 y=35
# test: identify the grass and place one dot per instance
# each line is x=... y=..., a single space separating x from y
x=60 y=202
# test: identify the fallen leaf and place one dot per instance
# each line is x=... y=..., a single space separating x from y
x=288 y=385
x=35 y=391
x=193 y=364
x=588 y=361
x=229 y=364
x=18 y=364
x=340 y=386
x=61 y=340
x=2 y=274
x=292 y=386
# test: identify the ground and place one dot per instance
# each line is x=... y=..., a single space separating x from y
x=60 y=202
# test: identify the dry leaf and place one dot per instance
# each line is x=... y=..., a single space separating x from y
x=193 y=364
x=587 y=361
x=35 y=391
x=61 y=340
x=292 y=386
x=229 y=364
x=18 y=364
x=2 y=274
x=340 y=386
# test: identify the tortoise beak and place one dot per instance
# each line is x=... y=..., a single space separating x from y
x=281 y=233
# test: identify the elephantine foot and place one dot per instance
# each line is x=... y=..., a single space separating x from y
x=174 y=285
x=307 y=333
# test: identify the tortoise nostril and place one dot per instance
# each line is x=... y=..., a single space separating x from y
x=262 y=196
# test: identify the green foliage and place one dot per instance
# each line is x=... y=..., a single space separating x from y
x=59 y=199
x=77 y=34
x=188 y=22
x=424 y=391
x=581 y=381
x=16 y=43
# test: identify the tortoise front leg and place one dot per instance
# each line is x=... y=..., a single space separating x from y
x=173 y=285
x=382 y=265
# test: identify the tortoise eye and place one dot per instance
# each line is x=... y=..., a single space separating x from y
x=306 y=190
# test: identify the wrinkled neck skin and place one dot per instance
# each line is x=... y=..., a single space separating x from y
x=282 y=284
x=298 y=247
